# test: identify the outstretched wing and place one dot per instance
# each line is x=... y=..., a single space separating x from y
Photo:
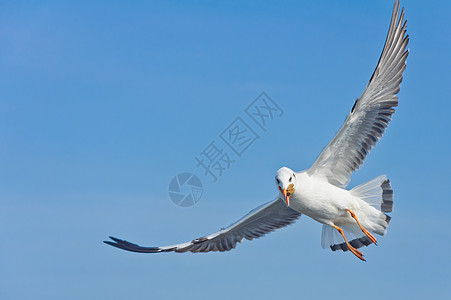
x=371 y=113
x=260 y=221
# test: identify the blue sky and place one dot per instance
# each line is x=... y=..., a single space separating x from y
x=101 y=104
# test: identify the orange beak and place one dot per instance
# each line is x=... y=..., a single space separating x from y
x=287 y=197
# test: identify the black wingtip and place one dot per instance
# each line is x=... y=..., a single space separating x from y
x=116 y=239
x=125 y=245
x=116 y=243
x=110 y=243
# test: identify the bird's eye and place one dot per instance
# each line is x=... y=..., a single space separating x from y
x=290 y=179
x=277 y=180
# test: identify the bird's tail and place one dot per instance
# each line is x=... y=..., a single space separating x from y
x=378 y=194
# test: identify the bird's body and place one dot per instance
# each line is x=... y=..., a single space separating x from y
x=327 y=203
x=322 y=201
x=333 y=207
x=349 y=217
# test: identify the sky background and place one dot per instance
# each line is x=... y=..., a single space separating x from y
x=102 y=103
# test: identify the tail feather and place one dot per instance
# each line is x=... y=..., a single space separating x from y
x=356 y=243
x=331 y=238
x=373 y=191
x=378 y=194
x=387 y=197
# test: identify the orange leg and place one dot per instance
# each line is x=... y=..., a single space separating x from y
x=366 y=232
x=352 y=249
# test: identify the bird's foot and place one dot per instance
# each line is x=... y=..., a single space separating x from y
x=369 y=235
x=365 y=231
x=356 y=252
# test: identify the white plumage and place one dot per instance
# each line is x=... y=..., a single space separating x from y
x=349 y=218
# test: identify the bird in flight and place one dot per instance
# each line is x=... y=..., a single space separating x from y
x=350 y=218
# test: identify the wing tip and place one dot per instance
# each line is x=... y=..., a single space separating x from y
x=111 y=243
x=125 y=245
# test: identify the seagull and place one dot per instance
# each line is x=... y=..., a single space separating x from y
x=350 y=218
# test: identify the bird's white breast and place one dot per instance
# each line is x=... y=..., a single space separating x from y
x=320 y=200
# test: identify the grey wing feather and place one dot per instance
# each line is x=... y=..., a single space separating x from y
x=371 y=113
x=260 y=221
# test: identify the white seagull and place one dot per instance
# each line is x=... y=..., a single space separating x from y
x=349 y=217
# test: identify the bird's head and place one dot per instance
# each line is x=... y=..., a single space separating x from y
x=286 y=183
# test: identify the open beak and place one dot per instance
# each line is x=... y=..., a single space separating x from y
x=285 y=195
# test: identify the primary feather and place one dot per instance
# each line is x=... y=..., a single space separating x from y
x=258 y=222
x=371 y=113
